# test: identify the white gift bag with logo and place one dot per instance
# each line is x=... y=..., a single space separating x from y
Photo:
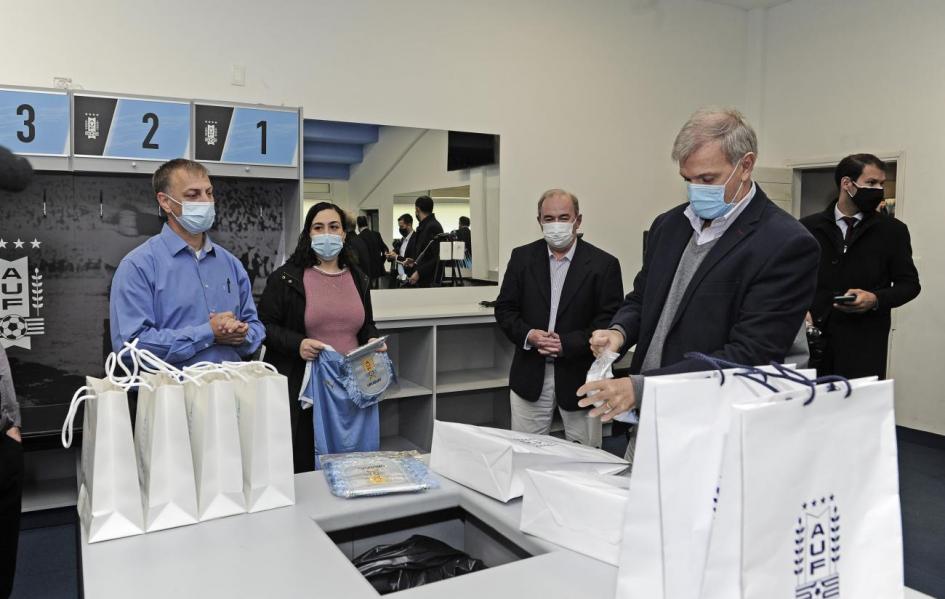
x=109 y=502
x=809 y=501
x=215 y=440
x=683 y=422
x=265 y=436
x=493 y=461
x=575 y=510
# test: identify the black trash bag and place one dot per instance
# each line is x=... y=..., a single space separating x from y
x=415 y=562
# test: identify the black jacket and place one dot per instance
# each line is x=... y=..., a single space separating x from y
x=877 y=259
x=429 y=264
x=591 y=294
x=465 y=235
x=377 y=248
x=359 y=252
x=744 y=304
x=282 y=311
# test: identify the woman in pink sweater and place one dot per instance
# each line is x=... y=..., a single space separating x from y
x=316 y=299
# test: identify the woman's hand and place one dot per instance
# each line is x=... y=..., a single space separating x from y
x=310 y=348
x=382 y=348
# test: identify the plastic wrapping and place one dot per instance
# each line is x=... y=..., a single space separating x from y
x=417 y=561
x=376 y=473
x=602 y=369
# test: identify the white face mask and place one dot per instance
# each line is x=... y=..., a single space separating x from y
x=558 y=235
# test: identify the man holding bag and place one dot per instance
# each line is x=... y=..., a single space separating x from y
x=181 y=296
x=727 y=274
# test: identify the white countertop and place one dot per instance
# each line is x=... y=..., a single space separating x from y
x=430 y=312
x=286 y=553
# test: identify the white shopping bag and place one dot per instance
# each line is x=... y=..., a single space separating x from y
x=684 y=419
x=265 y=436
x=215 y=442
x=165 y=461
x=575 y=510
x=493 y=461
x=109 y=502
x=809 y=501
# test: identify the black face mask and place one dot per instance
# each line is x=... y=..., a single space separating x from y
x=403 y=231
x=867 y=199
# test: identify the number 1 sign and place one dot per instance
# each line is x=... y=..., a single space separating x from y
x=244 y=135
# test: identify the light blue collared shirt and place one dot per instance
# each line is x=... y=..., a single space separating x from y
x=163 y=294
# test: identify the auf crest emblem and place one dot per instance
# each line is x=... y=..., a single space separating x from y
x=817 y=550
x=210 y=133
x=20 y=291
x=91 y=125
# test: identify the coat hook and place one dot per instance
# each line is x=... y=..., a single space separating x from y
x=44 y=203
x=101 y=206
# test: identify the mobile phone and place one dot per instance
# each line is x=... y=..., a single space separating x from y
x=844 y=299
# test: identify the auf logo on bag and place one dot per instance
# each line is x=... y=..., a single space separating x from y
x=817 y=549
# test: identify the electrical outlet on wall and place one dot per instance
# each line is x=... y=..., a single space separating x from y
x=239 y=75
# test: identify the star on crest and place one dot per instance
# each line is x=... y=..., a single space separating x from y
x=35 y=243
x=18 y=243
x=3 y=244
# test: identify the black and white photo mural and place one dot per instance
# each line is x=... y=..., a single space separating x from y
x=60 y=243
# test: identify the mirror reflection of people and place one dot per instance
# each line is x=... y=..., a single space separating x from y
x=463 y=234
x=317 y=298
x=183 y=297
x=728 y=273
x=555 y=292
x=360 y=253
x=864 y=254
x=377 y=249
x=426 y=264
x=406 y=248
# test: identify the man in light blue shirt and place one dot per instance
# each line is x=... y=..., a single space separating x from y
x=181 y=296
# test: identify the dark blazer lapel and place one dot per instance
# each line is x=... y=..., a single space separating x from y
x=738 y=231
x=541 y=272
x=663 y=267
x=577 y=272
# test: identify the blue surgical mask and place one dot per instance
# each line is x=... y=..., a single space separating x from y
x=195 y=217
x=708 y=201
x=327 y=246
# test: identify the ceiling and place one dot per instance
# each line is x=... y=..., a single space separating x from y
x=750 y=4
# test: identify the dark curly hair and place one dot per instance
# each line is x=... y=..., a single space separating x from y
x=304 y=256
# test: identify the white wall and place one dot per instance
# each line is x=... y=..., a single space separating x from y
x=586 y=95
x=867 y=76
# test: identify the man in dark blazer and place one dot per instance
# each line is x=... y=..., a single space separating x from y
x=426 y=261
x=727 y=274
x=554 y=293
x=866 y=255
x=377 y=248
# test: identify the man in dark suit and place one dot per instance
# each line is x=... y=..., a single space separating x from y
x=727 y=274
x=377 y=249
x=357 y=248
x=405 y=247
x=554 y=293
x=426 y=262
x=465 y=235
x=866 y=255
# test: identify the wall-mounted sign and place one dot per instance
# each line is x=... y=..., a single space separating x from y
x=34 y=123
x=115 y=127
x=243 y=135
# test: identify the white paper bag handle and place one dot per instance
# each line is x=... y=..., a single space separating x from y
x=204 y=368
x=235 y=366
x=81 y=394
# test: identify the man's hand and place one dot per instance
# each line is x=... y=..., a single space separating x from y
x=14 y=433
x=310 y=348
x=865 y=301
x=414 y=278
x=616 y=394
x=550 y=345
x=227 y=330
x=409 y=262
x=606 y=339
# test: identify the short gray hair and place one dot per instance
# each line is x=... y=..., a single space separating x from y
x=725 y=125
x=559 y=192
